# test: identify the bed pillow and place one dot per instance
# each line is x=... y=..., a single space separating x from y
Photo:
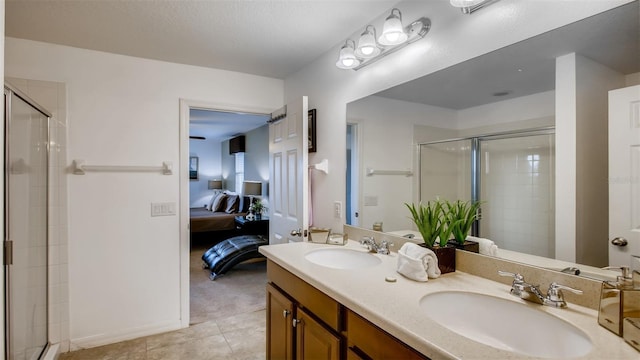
x=218 y=202
x=233 y=204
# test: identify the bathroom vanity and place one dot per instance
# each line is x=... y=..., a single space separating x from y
x=350 y=309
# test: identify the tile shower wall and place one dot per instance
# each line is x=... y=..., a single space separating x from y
x=517 y=183
x=52 y=96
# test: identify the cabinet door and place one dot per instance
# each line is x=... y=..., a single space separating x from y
x=313 y=341
x=279 y=325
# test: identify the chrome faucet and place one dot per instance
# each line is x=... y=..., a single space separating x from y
x=532 y=293
x=371 y=244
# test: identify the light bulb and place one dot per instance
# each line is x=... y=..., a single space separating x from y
x=367 y=50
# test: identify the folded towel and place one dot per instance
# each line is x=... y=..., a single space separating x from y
x=417 y=263
x=487 y=247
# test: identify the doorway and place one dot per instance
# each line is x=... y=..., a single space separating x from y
x=352 y=206
x=191 y=263
x=26 y=226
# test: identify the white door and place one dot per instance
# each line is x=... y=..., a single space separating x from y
x=289 y=177
x=624 y=175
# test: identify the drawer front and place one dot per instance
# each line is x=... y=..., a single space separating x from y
x=364 y=337
x=308 y=297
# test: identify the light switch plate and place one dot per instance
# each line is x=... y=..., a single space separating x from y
x=163 y=209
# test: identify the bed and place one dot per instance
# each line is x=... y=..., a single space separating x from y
x=218 y=215
x=203 y=220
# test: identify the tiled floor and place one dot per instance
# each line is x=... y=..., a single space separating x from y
x=237 y=337
x=227 y=316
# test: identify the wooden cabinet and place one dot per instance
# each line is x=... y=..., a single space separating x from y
x=280 y=311
x=305 y=323
x=301 y=320
x=367 y=341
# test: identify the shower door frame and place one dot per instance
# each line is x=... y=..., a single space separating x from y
x=476 y=160
x=9 y=92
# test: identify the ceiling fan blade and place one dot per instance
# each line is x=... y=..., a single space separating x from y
x=197 y=137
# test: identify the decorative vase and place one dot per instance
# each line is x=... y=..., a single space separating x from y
x=258 y=216
x=446 y=257
x=468 y=245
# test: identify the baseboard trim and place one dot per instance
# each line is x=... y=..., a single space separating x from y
x=123 y=335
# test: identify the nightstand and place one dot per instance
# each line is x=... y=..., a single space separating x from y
x=252 y=227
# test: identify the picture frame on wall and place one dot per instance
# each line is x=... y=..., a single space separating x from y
x=312 y=131
x=193 y=168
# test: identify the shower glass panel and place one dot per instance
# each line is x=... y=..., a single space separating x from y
x=445 y=170
x=517 y=187
x=26 y=157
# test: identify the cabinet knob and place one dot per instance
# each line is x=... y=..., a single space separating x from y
x=295 y=322
x=286 y=313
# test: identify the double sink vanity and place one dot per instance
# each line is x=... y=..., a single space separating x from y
x=339 y=302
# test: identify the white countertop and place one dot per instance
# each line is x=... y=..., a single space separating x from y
x=394 y=306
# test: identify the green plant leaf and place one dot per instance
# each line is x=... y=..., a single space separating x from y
x=428 y=220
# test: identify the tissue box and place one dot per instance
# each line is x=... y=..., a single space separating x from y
x=631 y=331
x=320 y=236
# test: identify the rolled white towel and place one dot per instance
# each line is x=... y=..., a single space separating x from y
x=417 y=263
x=487 y=247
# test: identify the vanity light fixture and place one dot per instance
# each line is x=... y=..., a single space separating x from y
x=469 y=6
x=393 y=38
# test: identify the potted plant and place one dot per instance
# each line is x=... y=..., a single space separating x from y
x=257 y=207
x=429 y=220
x=460 y=216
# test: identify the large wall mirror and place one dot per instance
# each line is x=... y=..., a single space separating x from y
x=508 y=109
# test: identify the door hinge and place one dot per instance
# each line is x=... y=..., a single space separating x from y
x=8 y=253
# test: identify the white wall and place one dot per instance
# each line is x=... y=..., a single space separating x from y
x=209 y=168
x=593 y=82
x=330 y=89
x=124 y=265
x=388 y=144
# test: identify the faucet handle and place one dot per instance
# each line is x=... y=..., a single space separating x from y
x=384 y=247
x=555 y=297
x=365 y=239
x=554 y=289
x=515 y=276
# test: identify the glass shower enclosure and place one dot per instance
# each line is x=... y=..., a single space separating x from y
x=25 y=226
x=513 y=174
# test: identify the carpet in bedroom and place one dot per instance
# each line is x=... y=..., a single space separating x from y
x=241 y=290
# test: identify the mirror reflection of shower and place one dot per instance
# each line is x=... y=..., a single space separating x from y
x=513 y=174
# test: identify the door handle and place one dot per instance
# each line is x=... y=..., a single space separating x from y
x=619 y=241
x=296 y=232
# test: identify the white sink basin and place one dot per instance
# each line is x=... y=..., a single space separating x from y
x=506 y=325
x=339 y=258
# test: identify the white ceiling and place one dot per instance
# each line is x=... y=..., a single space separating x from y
x=262 y=37
x=219 y=125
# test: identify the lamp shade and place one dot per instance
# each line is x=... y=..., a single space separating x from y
x=367 y=47
x=252 y=188
x=215 y=185
x=347 y=58
x=392 y=30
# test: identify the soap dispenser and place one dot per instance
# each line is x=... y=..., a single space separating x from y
x=618 y=300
